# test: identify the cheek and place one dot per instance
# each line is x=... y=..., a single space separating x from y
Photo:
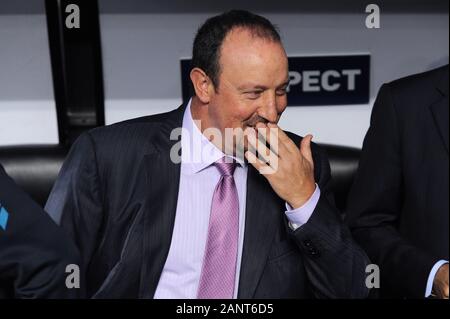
x=281 y=104
x=227 y=115
x=245 y=112
x=247 y=109
x=232 y=111
x=238 y=112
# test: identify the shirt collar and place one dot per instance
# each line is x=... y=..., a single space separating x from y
x=197 y=152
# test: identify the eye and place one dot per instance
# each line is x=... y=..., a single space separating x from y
x=253 y=95
x=281 y=92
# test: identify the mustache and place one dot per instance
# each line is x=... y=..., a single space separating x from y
x=255 y=120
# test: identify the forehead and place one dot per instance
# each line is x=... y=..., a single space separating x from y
x=245 y=56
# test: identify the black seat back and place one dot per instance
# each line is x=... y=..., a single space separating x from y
x=33 y=168
x=344 y=164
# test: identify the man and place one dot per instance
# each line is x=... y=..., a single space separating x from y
x=34 y=251
x=150 y=226
x=398 y=206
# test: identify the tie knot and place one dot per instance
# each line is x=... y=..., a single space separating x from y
x=225 y=166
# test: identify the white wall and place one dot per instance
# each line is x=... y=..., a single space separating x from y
x=27 y=107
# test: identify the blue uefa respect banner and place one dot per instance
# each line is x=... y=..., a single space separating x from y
x=317 y=80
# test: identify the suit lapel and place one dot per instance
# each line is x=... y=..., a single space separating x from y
x=163 y=177
x=262 y=210
x=440 y=109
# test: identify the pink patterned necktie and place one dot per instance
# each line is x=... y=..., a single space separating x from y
x=219 y=262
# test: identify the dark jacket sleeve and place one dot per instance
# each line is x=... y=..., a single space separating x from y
x=375 y=204
x=75 y=201
x=334 y=263
x=34 y=251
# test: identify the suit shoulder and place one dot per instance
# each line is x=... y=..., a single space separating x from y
x=131 y=138
x=419 y=82
x=138 y=129
x=418 y=91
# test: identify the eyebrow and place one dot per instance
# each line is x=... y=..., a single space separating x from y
x=285 y=83
x=250 y=86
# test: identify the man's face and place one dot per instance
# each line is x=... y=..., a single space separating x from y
x=252 y=84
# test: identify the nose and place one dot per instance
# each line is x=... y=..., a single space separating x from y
x=269 y=108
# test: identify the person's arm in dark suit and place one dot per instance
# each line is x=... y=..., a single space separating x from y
x=335 y=264
x=34 y=251
x=75 y=201
x=375 y=205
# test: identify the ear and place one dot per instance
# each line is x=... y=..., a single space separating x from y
x=202 y=84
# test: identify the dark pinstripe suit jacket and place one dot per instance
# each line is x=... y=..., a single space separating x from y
x=398 y=208
x=117 y=196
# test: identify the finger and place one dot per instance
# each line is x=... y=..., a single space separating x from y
x=270 y=136
x=275 y=142
x=305 y=148
x=283 y=138
x=264 y=153
x=263 y=137
x=262 y=167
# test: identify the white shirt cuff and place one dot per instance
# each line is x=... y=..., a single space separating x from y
x=432 y=275
x=300 y=216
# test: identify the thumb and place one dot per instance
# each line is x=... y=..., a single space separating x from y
x=305 y=147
